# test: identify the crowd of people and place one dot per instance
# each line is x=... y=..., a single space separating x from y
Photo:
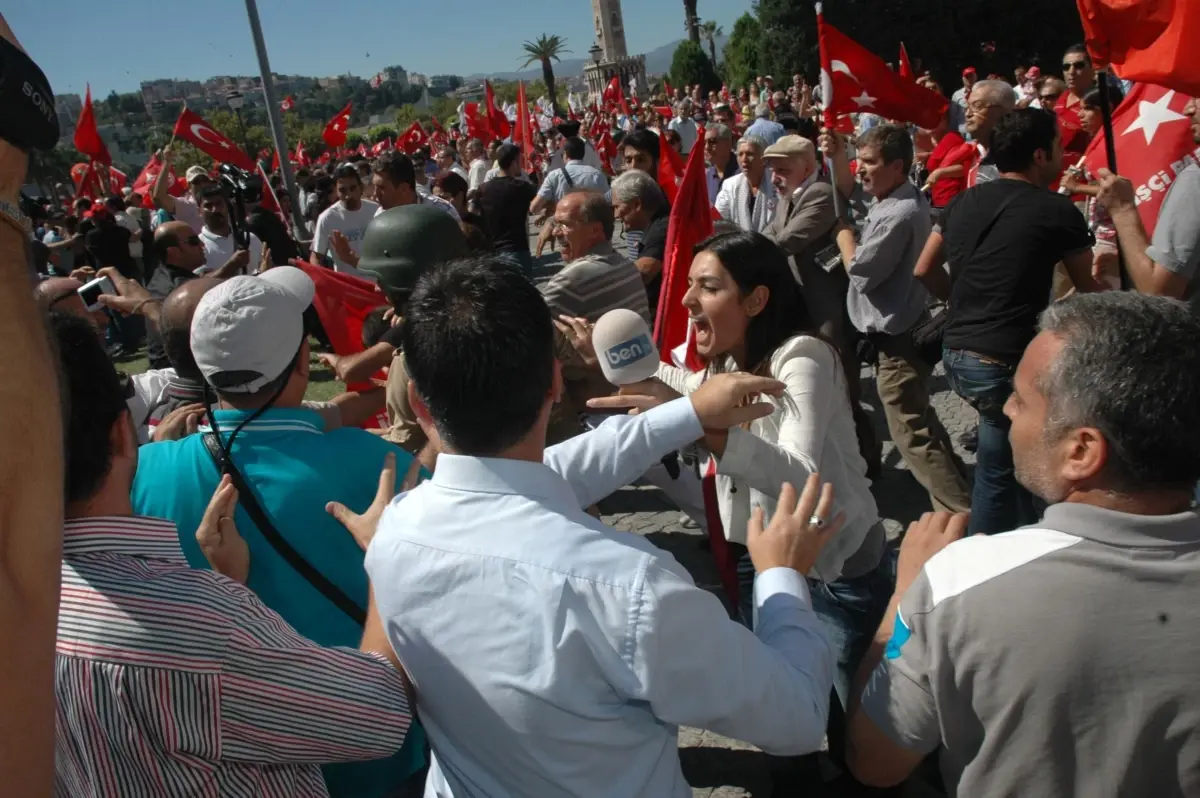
x=266 y=595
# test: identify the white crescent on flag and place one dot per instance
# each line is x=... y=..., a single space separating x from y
x=199 y=130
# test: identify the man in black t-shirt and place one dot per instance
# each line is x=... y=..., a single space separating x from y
x=1002 y=240
x=641 y=206
x=504 y=205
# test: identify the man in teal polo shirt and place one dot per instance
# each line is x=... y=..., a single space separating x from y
x=248 y=340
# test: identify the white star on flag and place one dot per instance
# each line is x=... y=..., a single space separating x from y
x=1151 y=115
x=864 y=100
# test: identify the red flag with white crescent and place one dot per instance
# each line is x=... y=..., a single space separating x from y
x=288 y=103
x=335 y=132
x=192 y=128
x=87 y=138
x=413 y=138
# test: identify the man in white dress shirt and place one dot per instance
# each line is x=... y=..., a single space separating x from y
x=551 y=654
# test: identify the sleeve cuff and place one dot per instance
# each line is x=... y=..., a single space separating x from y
x=676 y=422
x=781 y=580
x=739 y=453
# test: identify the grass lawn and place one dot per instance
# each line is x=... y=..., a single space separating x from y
x=322 y=384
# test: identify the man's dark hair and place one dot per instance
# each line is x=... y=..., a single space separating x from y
x=1078 y=49
x=451 y=184
x=397 y=167
x=595 y=208
x=893 y=143
x=214 y=191
x=1130 y=367
x=347 y=172
x=374 y=326
x=574 y=148
x=507 y=154
x=479 y=346
x=1018 y=135
x=94 y=399
x=643 y=141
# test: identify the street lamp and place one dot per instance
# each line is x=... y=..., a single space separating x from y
x=236 y=102
x=595 y=52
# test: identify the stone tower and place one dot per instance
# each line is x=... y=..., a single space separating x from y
x=610 y=28
x=610 y=58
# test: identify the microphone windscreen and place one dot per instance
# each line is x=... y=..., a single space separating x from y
x=624 y=347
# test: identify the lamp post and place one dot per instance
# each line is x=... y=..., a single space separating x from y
x=598 y=79
x=236 y=101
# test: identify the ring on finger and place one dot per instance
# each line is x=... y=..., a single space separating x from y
x=816 y=522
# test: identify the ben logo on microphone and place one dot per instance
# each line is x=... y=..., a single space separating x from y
x=629 y=351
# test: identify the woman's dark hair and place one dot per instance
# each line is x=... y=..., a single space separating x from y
x=451 y=184
x=1092 y=98
x=752 y=260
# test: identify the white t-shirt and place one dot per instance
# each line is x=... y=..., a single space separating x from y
x=458 y=170
x=188 y=212
x=352 y=224
x=219 y=249
x=478 y=173
x=686 y=128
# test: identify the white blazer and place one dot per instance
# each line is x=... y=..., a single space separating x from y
x=812 y=429
x=733 y=202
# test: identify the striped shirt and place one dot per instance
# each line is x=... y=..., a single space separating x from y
x=596 y=283
x=179 y=682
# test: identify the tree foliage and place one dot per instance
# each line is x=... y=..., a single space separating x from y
x=743 y=51
x=691 y=65
x=380 y=132
x=710 y=31
x=545 y=50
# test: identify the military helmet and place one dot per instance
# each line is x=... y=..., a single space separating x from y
x=402 y=243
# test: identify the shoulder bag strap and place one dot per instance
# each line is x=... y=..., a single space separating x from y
x=285 y=550
x=567 y=177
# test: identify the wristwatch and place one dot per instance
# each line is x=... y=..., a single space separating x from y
x=29 y=121
x=11 y=214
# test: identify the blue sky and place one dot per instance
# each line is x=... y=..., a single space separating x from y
x=119 y=44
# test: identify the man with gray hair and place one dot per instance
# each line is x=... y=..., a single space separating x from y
x=988 y=101
x=748 y=199
x=641 y=205
x=1084 y=621
x=718 y=154
x=685 y=126
x=763 y=127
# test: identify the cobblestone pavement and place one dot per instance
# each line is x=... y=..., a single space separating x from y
x=720 y=767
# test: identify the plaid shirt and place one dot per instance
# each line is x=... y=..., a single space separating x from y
x=174 y=681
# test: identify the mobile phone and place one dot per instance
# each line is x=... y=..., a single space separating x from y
x=90 y=293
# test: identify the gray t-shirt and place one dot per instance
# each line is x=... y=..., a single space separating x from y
x=1176 y=244
x=1054 y=660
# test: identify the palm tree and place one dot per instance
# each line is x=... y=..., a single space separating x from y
x=691 y=20
x=546 y=49
x=709 y=31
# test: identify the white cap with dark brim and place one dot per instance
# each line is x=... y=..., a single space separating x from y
x=247 y=330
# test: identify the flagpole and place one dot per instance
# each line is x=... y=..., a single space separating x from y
x=1110 y=141
x=273 y=115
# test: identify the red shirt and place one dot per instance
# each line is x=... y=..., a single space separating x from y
x=1070 y=126
x=947 y=188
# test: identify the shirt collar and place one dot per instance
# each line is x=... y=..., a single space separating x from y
x=504 y=477
x=183 y=388
x=288 y=420
x=131 y=535
x=1122 y=529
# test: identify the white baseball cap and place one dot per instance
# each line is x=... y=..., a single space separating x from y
x=247 y=330
x=195 y=172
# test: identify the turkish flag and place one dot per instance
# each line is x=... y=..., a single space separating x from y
x=192 y=128
x=906 y=70
x=1153 y=142
x=412 y=138
x=667 y=90
x=497 y=121
x=663 y=110
x=853 y=79
x=288 y=103
x=477 y=125
x=144 y=184
x=302 y=156
x=690 y=223
x=1153 y=41
x=439 y=138
x=275 y=161
x=89 y=179
x=670 y=167
x=270 y=202
x=87 y=137
x=335 y=132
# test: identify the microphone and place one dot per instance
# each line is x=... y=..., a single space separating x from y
x=623 y=346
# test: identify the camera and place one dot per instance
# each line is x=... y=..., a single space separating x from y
x=245 y=188
x=90 y=292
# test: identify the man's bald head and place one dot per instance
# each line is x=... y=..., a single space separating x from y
x=62 y=294
x=177 y=244
x=175 y=325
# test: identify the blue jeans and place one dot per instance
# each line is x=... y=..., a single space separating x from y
x=998 y=502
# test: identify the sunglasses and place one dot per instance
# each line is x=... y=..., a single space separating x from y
x=1052 y=96
x=1070 y=66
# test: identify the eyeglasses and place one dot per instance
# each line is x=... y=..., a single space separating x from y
x=1051 y=96
x=1070 y=66
x=980 y=108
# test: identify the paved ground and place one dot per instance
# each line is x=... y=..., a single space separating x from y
x=716 y=766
